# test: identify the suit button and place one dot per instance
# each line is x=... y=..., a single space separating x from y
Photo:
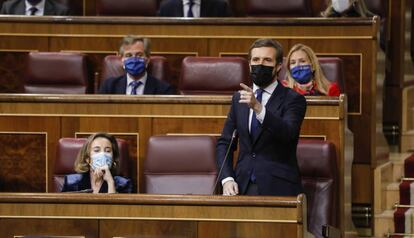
x=254 y=155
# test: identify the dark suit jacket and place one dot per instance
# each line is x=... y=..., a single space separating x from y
x=208 y=8
x=82 y=182
x=18 y=7
x=152 y=86
x=272 y=153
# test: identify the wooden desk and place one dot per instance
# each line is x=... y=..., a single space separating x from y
x=139 y=215
x=354 y=40
x=31 y=125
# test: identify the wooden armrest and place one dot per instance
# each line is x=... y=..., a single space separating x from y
x=330 y=232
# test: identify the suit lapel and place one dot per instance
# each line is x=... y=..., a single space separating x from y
x=120 y=85
x=203 y=8
x=179 y=10
x=244 y=115
x=21 y=8
x=150 y=86
x=49 y=9
x=275 y=101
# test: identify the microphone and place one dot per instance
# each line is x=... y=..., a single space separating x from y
x=233 y=136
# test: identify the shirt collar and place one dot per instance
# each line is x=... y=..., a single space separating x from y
x=186 y=2
x=143 y=79
x=40 y=5
x=269 y=89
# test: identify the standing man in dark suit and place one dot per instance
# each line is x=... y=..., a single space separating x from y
x=195 y=8
x=34 y=8
x=135 y=52
x=268 y=120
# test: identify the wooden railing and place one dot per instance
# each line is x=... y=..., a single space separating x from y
x=120 y=215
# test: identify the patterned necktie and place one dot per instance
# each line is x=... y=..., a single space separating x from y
x=190 y=8
x=134 y=85
x=33 y=11
x=255 y=124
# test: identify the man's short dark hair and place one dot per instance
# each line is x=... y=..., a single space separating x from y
x=268 y=43
x=131 y=39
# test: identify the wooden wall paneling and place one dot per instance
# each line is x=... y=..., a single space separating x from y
x=154 y=115
x=24 y=162
x=175 y=50
x=146 y=128
x=360 y=193
x=160 y=229
x=394 y=72
x=245 y=230
x=407 y=137
x=12 y=71
x=29 y=145
x=13 y=55
x=157 y=215
x=68 y=228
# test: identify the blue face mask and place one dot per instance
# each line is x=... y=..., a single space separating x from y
x=302 y=73
x=101 y=159
x=134 y=65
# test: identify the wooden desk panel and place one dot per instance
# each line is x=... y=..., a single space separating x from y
x=121 y=215
x=354 y=40
x=137 y=118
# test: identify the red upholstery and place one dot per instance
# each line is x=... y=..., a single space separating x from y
x=76 y=7
x=332 y=67
x=67 y=151
x=180 y=165
x=378 y=7
x=126 y=7
x=317 y=164
x=158 y=67
x=57 y=73
x=213 y=75
x=278 y=8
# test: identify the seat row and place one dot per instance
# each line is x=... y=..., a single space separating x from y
x=67 y=73
x=278 y=8
x=186 y=165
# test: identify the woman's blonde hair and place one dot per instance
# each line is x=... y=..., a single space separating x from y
x=322 y=84
x=83 y=158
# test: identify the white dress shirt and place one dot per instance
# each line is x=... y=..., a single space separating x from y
x=140 y=89
x=196 y=7
x=267 y=92
x=40 y=8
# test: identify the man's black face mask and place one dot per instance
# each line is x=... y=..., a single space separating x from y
x=261 y=75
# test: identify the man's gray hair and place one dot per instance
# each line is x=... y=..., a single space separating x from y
x=131 y=39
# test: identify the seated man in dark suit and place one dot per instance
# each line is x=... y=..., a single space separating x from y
x=195 y=8
x=34 y=8
x=135 y=52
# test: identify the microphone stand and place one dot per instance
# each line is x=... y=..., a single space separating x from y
x=233 y=136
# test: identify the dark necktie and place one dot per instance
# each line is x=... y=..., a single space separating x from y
x=190 y=8
x=33 y=11
x=255 y=124
x=254 y=127
x=134 y=84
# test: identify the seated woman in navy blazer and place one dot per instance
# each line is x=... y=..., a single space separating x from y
x=96 y=164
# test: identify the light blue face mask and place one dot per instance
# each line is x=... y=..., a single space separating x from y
x=101 y=159
x=302 y=73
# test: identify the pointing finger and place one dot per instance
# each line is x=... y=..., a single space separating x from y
x=245 y=87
